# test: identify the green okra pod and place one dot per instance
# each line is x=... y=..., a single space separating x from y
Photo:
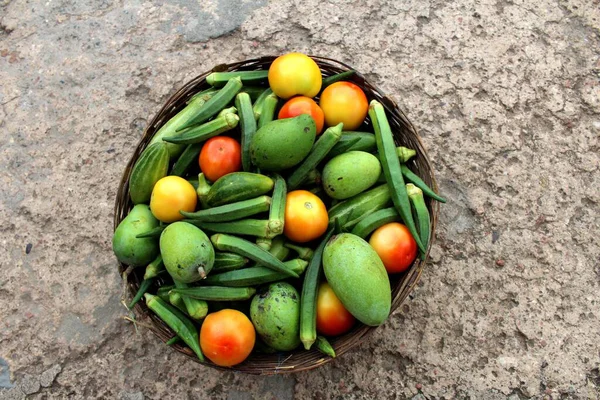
x=176 y=300
x=244 y=227
x=354 y=141
x=418 y=182
x=203 y=190
x=391 y=167
x=320 y=149
x=342 y=76
x=201 y=133
x=154 y=268
x=415 y=195
x=254 y=91
x=231 y=211
x=247 y=127
x=349 y=212
x=252 y=276
x=325 y=347
x=173 y=340
x=278 y=248
x=305 y=253
x=186 y=159
x=373 y=221
x=264 y=243
x=196 y=309
x=217 y=293
x=267 y=113
x=216 y=103
x=204 y=95
x=220 y=79
x=163 y=292
x=252 y=251
x=404 y=154
x=259 y=103
x=172 y=125
x=308 y=297
x=277 y=211
x=154 y=232
x=144 y=286
x=177 y=321
x=343 y=147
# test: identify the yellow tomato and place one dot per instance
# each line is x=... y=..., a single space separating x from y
x=170 y=195
x=295 y=74
x=305 y=216
x=344 y=102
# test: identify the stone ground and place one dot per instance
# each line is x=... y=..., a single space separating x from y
x=505 y=94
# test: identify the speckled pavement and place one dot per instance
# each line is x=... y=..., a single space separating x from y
x=505 y=95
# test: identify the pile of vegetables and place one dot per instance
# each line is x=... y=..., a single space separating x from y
x=270 y=211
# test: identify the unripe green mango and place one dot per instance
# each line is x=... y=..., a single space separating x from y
x=129 y=249
x=187 y=252
x=358 y=278
x=350 y=173
x=283 y=143
x=275 y=314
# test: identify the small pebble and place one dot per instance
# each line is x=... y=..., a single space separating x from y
x=131 y=396
x=500 y=263
x=30 y=384
x=495 y=236
x=28 y=248
x=48 y=376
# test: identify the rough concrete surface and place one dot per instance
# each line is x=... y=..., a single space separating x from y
x=505 y=94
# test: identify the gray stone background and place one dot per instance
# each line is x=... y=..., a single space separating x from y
x=505 y=94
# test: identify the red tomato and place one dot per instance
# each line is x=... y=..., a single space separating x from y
x=305 y=216
x=395 y=245
x=220 y=156
x=303 y=105
x=332 y=317
x=227 y=337
x=344 y=102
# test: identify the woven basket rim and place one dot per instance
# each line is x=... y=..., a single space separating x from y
x=402 y=286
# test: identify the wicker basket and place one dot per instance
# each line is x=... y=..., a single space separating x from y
x=402 y=285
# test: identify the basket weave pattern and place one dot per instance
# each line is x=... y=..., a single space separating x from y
x=402 y=284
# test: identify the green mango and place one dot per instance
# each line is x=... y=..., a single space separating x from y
x=350 y=173
x=129 y=249
x=187 y=252
x=275 y=314
x=283 y=143
x=358 y=278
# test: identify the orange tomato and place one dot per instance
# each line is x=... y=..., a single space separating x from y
x=395 y=246
x=170 y=195
x=295 y=73
x=220 y=155
x=227 y=337
x=305 y=216
x=344 y=102
x=303 y=105
x=332 y=317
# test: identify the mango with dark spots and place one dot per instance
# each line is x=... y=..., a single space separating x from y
x=187 y=252
x=275 y=314
x=283 y=143
x=350 y=173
